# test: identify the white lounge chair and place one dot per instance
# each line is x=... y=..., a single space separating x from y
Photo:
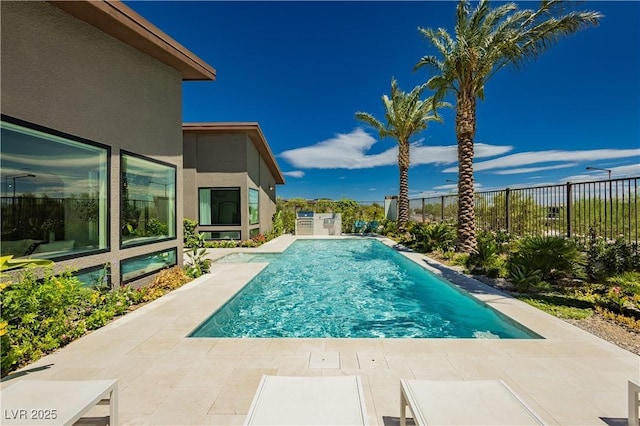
x=634 y=403
x=285 y=400
x=44 y=402
x=483 y=402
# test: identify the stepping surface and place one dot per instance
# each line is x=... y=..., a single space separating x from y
x=570 y=377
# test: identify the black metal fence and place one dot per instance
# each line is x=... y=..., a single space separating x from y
x=608 y=208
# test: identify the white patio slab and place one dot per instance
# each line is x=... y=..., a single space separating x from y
x=569 y=377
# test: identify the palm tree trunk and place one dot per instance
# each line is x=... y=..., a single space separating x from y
x=403 y=197
x=465 y=132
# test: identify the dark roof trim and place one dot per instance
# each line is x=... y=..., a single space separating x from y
x=120 y=21
x=251 y=129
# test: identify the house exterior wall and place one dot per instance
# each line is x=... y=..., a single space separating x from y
x=267 y=197
x=64 y=74
x=227 y=161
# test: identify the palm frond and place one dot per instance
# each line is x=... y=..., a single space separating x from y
x=372 y=121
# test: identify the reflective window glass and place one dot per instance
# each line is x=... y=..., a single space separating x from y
x=254 y=207
x=142 y=266
x=54 y=193
x=219 y=206
x=148 y=201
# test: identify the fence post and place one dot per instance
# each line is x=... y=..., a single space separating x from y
x=442 y=208
x=423 y=210
x=569 y=209
x=507 y=207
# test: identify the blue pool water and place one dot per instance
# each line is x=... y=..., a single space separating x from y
x=351 y=288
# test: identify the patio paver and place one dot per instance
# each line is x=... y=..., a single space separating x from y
x=164 y=377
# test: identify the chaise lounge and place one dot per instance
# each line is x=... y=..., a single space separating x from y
x=481 y=402
x=285 y=400
x=45 y=402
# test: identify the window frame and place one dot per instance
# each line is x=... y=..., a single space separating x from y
x=257 y=192
x=106 y=266
x=175 y=200
x=78 y=139
x=147 y=274
x=221 y=188
x=222 y=239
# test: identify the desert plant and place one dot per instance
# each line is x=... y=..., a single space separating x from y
x=440 y=236
x=555 y=257
x=277 y=223
x=484 y=260
x=40 y=315
x=192 y=239
x=606 y=258
x=197 y=263
x=525 y=278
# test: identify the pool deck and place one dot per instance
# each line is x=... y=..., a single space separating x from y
x=570 y=377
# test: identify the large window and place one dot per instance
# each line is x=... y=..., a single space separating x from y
x=221 y=235
x=145 y=265
x=148 y=200
x=54 y=193
x=254 y=206
x=219 y=206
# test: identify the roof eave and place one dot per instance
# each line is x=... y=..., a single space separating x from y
x=123 y=23
x=252 y=130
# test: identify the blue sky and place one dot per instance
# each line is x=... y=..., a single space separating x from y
x=303 y=69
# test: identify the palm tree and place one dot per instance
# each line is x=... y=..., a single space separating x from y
x=406 y=115
x=486 y=40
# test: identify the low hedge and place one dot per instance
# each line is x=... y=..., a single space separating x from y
x=40 y=315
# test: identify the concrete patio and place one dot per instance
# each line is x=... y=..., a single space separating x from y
x=570 y=377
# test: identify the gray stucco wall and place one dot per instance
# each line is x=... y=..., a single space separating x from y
x=64 y=74
x=267 y=197
x=224 y=161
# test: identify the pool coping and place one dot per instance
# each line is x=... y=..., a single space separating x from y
x=569 y=377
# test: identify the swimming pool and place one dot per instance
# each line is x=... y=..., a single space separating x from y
x=352 y=288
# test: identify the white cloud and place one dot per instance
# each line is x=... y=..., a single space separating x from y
x=294 y=173
x=526 y=158
x=533 y=169
x=344 y=151
x=616 y=172
x=349 y=151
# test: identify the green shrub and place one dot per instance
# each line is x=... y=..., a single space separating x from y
x=524 y=278
x=556 y=258
x=605 y=258
x=157 y=227
x=487 y=260
x=623 y=290
x=277 y=223
x=197 y=263
x=223 y=244
x=192 y=239
x=429 y=237
x=39 y=315
x=389 y=227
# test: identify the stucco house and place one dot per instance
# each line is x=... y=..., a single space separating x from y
x=91 y=160
x=230 y=178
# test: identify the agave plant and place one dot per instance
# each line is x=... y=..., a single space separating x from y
x=524 y=278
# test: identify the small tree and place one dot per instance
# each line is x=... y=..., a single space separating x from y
x=406 y=115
